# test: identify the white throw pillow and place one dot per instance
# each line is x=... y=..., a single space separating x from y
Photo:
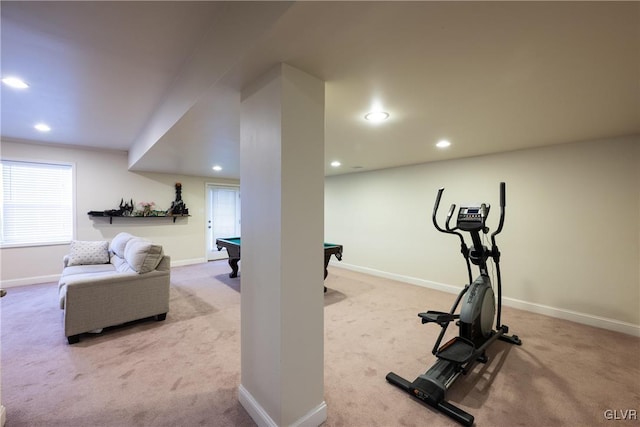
x=88 y=252
x=119 y=243
x=142 y=255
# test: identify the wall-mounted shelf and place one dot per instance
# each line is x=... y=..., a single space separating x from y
x=138 y=217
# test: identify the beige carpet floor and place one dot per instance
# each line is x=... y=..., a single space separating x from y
x=185 y=371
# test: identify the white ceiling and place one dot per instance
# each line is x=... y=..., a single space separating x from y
x=162 y=80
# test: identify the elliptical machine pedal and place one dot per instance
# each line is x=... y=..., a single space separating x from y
x=438 y=317
x=457 y=350
x=475 y=319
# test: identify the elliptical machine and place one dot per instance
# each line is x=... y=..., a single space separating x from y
x=474 y=320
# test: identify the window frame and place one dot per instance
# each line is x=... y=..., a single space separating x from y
x=32 y=161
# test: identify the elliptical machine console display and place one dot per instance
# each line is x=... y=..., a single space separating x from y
x=475 y=319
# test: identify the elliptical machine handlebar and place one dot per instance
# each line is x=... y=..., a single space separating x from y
x=483 y=212
x=449 y=215
x=447 y=228
x=435 y=210
x=503 y=204
x=464 y=250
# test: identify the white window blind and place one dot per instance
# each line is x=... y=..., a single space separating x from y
x=226 y=212
x=37 y=203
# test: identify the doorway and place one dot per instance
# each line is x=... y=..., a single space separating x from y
x=223 y=217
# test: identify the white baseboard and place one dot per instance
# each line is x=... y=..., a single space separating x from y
x=574 y=316
x=255 y=410
x=560 y=313
x=30 y=280
x=400 y=278
x=55 y=277
x=313 y=418
x=184 y=262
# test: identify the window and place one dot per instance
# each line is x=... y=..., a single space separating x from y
x=225 y=207
x=37 y=203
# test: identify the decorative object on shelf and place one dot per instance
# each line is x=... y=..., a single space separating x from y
x=146 y=208
x=94 y=214
x=178 y=207
x=126 y=208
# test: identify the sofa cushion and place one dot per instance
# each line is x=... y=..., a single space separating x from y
x=92 y=268
x=121 y=265
x=65 y=281
x=142 y=255
x=88 y=252
x=119 y=243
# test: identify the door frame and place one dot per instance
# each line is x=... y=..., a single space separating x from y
x=211 y=255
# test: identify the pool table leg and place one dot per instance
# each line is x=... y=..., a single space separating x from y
x=233 y=263
x=327 y=257
x=326 y=272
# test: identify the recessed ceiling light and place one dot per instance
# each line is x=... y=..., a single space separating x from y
x=15 y=82
x=217 y=168
x=443 y=143
x=42 y=127
x=377 y=116
x=335 y=163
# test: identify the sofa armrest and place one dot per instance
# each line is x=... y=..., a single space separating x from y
x=165 y=264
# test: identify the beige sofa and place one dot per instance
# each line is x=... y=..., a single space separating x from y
x=106 y=284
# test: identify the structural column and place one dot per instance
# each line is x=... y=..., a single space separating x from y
x=282 y=299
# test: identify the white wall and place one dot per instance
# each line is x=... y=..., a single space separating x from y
x=102 y=179
x=570 y=243
x=560 y=252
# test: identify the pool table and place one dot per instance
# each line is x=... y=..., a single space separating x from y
x=232 y=244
